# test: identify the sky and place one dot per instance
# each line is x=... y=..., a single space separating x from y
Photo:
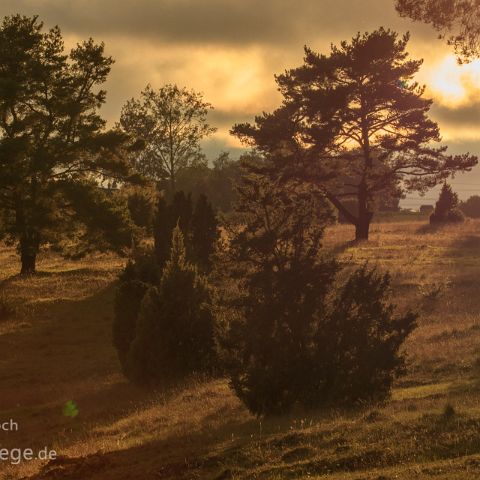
x=230 y=50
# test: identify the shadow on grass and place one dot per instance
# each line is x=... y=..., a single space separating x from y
x=469 y=242
x=430 y=228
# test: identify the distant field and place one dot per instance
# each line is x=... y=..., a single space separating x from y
x=58 y=348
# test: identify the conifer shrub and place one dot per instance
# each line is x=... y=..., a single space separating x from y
x=300 y=335
x=198 y=230
x=359 y=341
x=138 y=276
x=128 y=299
x=447 y=207
x=204 y=233
x=169 y=214
x=198 y=223
x=175 y=328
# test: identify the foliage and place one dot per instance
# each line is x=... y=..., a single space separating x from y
x=175 y=328
x=359 y=122
x=171 y=122
x=360 y=340
x=460 y=19
x=471 y=207
x=128 y=298
x=198 y=224
x=216 y=182
x=141 y=205
x=169 y=214
x=204 y=229
x=446 y=208
x=54 y=149
x=296 y=338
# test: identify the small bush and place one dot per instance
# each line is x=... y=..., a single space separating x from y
x=314 y=353
x=142 y=267
x=175 y=327
x=358 y=356
x=446 y=208
x=448 y=412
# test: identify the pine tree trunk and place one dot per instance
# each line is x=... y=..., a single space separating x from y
x=28 y=264
x=362 y=225
x=29 y=245
x=362 y=229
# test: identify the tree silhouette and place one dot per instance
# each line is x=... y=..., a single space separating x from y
x=458 y=20
x=171 y=122
x=175 y=327
x=471 y=207
x=294 y=335
x=205 y=233
x=54 y=150
x=358 y=123
x=446 y=208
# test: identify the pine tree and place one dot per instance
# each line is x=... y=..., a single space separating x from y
x=358 y=122
x=55 y=153
x=175 y=328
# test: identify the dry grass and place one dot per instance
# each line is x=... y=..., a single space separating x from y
x=58 y=348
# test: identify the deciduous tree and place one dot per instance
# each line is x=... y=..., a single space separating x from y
x=171 y=122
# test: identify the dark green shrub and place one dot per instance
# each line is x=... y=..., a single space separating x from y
x=296 y=337
x=205 y=233
x=169 y=214
x=359 y=341
x=199 y=227
x=446 y=208
x=137 y=277
x=175 y=327
x=142 y=267
x=141 y=204
x=128 y=299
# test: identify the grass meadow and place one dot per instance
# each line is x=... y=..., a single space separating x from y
x=58 y=348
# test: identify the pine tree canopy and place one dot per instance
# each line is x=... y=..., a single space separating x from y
x=457 y=20
x=56 y=156
x=358 y=124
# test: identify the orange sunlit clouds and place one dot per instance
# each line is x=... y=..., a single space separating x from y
x=230 y=51
x=454 y=85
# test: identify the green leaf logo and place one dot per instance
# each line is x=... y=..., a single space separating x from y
x=70 y=409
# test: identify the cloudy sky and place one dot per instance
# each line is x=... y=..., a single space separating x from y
x=230 y=50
